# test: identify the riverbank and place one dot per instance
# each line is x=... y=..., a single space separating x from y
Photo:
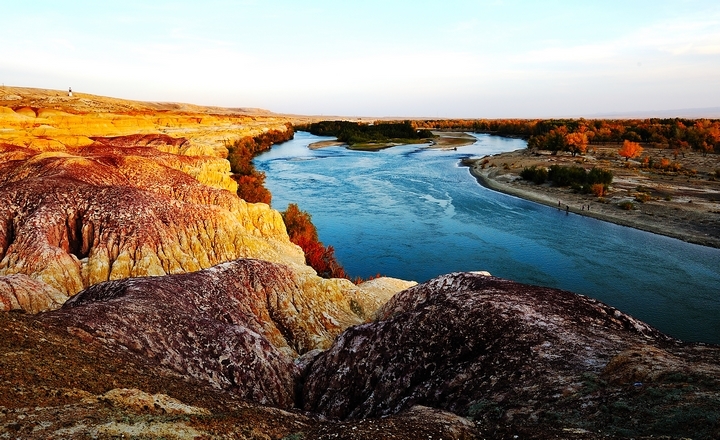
x=683 y=205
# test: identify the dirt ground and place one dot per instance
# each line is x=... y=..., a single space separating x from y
x=683 y=202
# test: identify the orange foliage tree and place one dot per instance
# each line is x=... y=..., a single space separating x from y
x=577 y=143
x=630 y=150
x=303 y=233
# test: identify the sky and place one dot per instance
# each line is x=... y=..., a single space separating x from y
x=449 y=58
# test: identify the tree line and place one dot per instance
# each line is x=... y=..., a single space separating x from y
x=251 y=183
x=574 y=135
x=357 y=132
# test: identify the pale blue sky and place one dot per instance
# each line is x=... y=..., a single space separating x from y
x=448 y=58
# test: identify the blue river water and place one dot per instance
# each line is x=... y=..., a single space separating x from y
x=414 y=213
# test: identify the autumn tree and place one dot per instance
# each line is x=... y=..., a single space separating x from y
x=251 y=187
x=630 y=150
x=303 y=233
x=576 y=143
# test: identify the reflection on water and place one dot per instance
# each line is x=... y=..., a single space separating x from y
x=413 y=213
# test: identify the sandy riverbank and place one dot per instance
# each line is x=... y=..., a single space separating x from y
x=323 y=144
x=680 y=205
x=449 y=140
x=446 y=140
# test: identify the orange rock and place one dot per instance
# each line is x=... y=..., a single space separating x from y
x=74 y=220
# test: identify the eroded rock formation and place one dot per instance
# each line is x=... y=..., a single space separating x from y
x=20 y=292
x=238 y=325
x=498 y=351
x=106 y=212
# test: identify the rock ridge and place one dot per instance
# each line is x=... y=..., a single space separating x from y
x=504 y=354
x=238 y=325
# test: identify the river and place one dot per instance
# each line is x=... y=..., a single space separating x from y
x=414 y=213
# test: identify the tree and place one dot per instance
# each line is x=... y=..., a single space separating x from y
x=303 y=233
x=576 y=143
x=630 y=150
x=555 y=139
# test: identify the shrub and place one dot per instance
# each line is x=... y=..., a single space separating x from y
x=627 y=205
x=642 y=197
x=578 y=178
x=598 y=189
x=598 y=175
x=251 y=187
x=534 y=174
x=566 y=176
x=303 y=233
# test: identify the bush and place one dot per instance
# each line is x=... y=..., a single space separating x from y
x=627 y=206
x=642 y=197
x=534 y=174
x=598 y=189
x=566 y=176
x=598 y=175
x=303 y=233
x=251 y=187
x=578 y=178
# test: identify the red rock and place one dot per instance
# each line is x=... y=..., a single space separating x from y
x=71 y=221
x=466 y=341
x=237 y=325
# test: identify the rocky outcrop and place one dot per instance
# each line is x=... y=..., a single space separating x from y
x=208 y=170
x=500 y=352
x=238 y=325
x=139 y=401
x=73 y=220
x=95 y=189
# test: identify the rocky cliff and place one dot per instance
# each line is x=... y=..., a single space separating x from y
x=50 y=120
x=73 y=220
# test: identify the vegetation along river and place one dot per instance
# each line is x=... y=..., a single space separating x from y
x=414 y=213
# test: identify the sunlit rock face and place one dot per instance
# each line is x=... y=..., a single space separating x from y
x=461 y=339
x=170 y=152
x=20 y=292
x=50 y=120
x=108 y=212
x=238 y=325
